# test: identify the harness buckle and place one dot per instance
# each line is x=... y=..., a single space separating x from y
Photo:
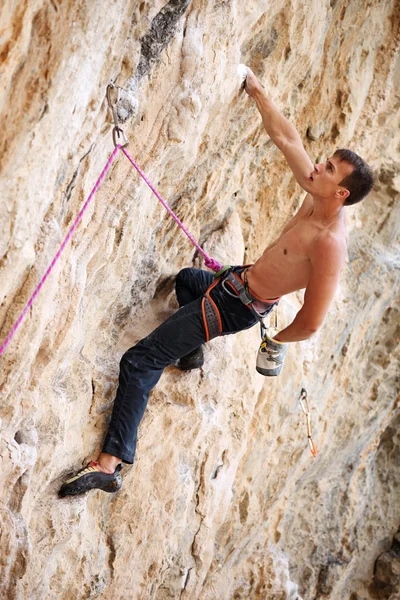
x=229 y=292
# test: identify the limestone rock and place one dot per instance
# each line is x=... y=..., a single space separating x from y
x=387 y=571
x=224 y=501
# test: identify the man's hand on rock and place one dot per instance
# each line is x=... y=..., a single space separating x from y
x=252 y=85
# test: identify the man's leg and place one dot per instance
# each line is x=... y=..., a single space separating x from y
x=141 y=368
x=192 y=284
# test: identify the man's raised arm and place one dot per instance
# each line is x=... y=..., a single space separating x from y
x=282 y=132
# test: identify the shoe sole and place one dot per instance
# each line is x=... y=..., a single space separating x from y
x=76 y=488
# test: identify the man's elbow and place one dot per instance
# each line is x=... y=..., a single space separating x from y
x=310 y=329
x=308 y=333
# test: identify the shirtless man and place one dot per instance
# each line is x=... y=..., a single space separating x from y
x=309 y=254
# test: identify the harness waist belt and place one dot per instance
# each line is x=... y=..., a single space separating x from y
x=257 y=299
x=245 y=294
x=211 y=315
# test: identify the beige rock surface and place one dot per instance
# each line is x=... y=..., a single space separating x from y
x=224 y=500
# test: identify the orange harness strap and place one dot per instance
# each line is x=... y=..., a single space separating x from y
x=210 y=312
x=211 y=316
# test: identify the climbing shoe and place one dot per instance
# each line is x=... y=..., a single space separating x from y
x=270 y=357
x=193 y=360
x=91 y=478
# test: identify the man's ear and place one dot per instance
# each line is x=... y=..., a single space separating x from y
x=342 y=193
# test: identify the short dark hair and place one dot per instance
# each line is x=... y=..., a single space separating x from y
x=360 y=181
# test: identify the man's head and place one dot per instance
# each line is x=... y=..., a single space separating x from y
x=345 y=175
x=360 y=181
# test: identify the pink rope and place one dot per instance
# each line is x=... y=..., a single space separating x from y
x=57 y=256
x=211 y=263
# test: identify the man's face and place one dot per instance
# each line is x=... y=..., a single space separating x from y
x=326 y=177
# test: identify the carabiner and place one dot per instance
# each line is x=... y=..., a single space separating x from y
x=223 y=285
x=117 y=131
x=113 y=104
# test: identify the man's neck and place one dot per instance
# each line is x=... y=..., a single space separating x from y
x=326 y=209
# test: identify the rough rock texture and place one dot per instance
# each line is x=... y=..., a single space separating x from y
x=387 y=570
x=224 y=500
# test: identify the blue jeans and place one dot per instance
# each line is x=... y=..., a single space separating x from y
x=142 y=365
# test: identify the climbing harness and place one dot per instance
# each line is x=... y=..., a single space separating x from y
x=306 y=410
x=242 y=291
x=233 y=285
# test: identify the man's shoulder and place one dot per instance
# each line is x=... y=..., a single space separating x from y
x=330 y=238
x=329 y=246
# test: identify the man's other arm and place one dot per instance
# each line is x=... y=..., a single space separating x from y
x=284 y=135
x=327 y=258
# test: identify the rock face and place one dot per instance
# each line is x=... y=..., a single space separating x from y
x=387 y=571
x=224 y=500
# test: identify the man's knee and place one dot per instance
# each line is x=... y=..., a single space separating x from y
x=125 y=364
x=133 y=356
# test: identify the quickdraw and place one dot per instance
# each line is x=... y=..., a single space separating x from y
x=118 y=134
x=306 y=410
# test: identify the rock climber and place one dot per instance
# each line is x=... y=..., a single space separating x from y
x=308 y=254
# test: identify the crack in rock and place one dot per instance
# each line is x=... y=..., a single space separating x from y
x=197 y=560
x=71 y=184
x=162 y=30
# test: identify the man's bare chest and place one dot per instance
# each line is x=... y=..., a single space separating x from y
x=295 y=244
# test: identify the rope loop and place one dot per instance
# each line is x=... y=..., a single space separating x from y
x=120 y=141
